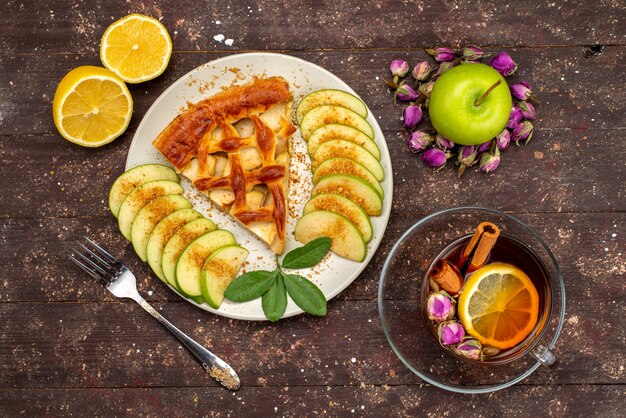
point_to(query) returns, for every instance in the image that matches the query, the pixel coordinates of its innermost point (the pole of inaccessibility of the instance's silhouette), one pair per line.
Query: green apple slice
(162, 233)
(347, 242)
(135, 177)
(345, 149)
(149, 216)
(354, 189)
(344, 207)
(139, 197)
(219, 270)
(191, 260)
(330, 97)
(347, 133)
(178, 242)
(326, 114)
(348, 167)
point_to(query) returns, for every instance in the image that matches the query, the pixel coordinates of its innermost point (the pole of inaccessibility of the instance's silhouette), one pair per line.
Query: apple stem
(485, 94)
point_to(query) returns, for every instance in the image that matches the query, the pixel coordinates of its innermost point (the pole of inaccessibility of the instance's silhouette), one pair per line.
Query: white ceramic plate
(334, 273)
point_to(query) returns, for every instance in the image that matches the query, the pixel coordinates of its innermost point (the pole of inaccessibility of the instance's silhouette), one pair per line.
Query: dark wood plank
(318, 25)
(307, 401)
(577, 92)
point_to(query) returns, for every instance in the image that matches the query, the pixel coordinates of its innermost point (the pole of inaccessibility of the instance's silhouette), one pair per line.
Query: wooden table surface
(69, 348)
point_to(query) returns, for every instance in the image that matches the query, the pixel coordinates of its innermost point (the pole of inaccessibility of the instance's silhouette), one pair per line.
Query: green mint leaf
(305, 294)
(250, 285)
(274, 301)
(307, 255)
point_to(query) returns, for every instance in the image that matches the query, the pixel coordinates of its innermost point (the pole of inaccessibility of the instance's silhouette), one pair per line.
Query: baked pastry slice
(235, 148)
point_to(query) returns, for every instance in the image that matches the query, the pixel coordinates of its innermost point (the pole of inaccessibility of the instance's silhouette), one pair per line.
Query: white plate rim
(387, 183)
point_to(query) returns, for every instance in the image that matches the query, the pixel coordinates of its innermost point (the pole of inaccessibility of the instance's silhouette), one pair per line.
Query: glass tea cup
(401, 299)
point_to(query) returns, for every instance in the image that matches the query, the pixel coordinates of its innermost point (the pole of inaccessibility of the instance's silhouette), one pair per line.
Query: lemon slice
(92, 106)
(499, 305)
(137, 48)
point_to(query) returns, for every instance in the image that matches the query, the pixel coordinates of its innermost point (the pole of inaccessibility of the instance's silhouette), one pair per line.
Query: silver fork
(120, 281)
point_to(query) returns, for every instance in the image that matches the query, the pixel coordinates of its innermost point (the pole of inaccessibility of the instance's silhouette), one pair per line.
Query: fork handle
(217, 368)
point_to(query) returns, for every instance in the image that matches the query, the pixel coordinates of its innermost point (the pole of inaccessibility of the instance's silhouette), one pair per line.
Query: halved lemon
(92, 106)
(137, 48)
(499, 305)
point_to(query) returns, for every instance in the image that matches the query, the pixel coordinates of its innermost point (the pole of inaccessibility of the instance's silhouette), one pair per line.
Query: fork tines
(95, 261)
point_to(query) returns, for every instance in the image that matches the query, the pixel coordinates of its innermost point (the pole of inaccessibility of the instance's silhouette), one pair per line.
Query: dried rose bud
(527, 109)
(440, 306)
(470, 348)
(489, 162)
(406, 93)
(434, 157)
(466, 157)
(442, 54)
(472, 53)
(521, 91)
(522, 131)
(399, 68)
(503, 63)
(418, 141)
(503, 139)
(483, 147)
(411, 116)
(426, 88)
(450, 332)
(443, 143)
(443, 67)
(514, 118)
(422, 70)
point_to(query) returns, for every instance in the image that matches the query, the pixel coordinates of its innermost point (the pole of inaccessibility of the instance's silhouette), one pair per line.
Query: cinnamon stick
(479, 247)
(446, 277)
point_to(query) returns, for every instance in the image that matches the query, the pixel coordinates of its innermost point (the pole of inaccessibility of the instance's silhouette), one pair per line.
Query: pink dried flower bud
(399, 68)
(503, 63)
(443, 143)
(443, 67)
(418, 141)
(470, 348)
(434, 157)
(422, 70)
(411, 116)
(522, 131)
(450, 332)
(521, 91)
(489, 162)
(465, 158)
(527, 109)
(503, 139)
(440, 306)
(473, 53)
(426, 88)
(483, 147)
(442, 54)
(514, 118)
(406, 93)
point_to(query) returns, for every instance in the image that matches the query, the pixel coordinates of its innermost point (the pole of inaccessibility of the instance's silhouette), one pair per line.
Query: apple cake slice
(235, 148)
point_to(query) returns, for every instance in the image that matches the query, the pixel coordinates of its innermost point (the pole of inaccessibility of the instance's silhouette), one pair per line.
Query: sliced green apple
(346, 240)
(162, 233)
(344, 207)
(347, 133)
(178, 242)
(345, 149)
(138, 198)
(191, 260)
(135, 177)
(348, 167)
(326, 114)
(354, 189)
(330, 97)
(219, 270)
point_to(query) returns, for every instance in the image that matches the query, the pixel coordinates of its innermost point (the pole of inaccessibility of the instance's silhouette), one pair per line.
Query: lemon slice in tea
(499, 305)
(92, 106)
(137, 48)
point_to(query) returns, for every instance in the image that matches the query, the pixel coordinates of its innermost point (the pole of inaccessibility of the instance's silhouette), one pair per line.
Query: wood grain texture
(69, 348)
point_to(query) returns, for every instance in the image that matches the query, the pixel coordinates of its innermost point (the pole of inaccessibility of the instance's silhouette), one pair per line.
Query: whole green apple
(467, 106)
